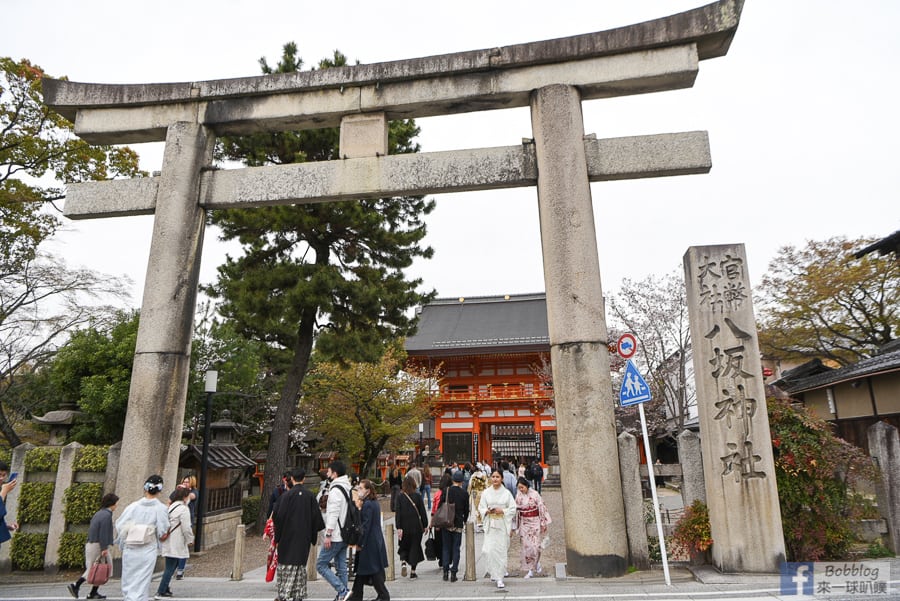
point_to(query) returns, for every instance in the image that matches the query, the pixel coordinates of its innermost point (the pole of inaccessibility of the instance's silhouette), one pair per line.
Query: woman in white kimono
(139, 528)
(498, 509)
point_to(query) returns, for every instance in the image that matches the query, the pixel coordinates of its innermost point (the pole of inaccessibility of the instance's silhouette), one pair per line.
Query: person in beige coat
(180, 537)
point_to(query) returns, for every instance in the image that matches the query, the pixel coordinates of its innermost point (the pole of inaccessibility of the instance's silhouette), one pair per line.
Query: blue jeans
(450, 550)
(426, 491)
(337, 552)
(171, 564)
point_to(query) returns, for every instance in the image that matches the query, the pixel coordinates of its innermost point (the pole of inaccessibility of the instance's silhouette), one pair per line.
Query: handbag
(430, 551)
(140, 534)
(445, 516)
(100, 571)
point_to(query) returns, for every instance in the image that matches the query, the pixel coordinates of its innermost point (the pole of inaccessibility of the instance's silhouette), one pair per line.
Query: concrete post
(64, 477)
(390, 574)
(112, 469)
(153, 424)
(470, 575)
(739, 467)
(12, 500)
(884, 447)
(690, 457)
(311, 573)
(596, 544)
(629, 465)
(237, 570)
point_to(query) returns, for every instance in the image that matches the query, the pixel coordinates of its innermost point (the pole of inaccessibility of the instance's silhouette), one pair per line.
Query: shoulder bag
(100, 571)
(445, 516)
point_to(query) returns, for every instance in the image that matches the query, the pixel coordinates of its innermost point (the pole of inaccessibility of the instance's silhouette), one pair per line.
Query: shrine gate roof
(483, 324)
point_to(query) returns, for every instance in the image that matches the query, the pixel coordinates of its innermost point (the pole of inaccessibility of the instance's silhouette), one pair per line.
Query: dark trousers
(450, 550)
(171, 565)
(377, 582)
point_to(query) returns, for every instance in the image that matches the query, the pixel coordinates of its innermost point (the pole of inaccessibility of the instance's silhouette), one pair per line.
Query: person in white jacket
(180, 537)
(334, 547)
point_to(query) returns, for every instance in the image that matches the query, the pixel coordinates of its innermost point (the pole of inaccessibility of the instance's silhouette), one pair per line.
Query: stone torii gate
(552, 77)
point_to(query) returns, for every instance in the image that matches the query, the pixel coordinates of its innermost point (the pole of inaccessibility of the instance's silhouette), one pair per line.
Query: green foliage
(250, 508)
(27, 551)
(94, 367)
(815, 471)
(820, 301)
(42, 459)
(692, 532)
(36, 141)
(6, 456)
(35, 502)
(362, 408)
(654, 551)
(82, 500)
(71, 550)
(877, 550)
(92, 458)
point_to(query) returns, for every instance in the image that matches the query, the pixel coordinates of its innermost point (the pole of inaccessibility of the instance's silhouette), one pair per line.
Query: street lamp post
(212, 378)
(421, 430)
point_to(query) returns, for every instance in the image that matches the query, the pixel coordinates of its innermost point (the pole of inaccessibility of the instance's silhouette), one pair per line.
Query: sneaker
(164, 595)
(500, 584)
(413, 575)
(453, 577)
(96, 596)
(179, 575)
(529, 574)
(73, 590)
(539, 568)
(403, 568)
(344, 595)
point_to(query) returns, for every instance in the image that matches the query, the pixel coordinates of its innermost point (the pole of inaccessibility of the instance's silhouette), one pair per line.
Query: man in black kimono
(297, 521)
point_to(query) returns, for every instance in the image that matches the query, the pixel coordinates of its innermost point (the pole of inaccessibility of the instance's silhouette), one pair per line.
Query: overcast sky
(801, 113)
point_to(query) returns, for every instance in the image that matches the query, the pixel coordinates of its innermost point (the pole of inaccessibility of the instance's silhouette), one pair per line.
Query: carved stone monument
(738, 465)
(552, 77)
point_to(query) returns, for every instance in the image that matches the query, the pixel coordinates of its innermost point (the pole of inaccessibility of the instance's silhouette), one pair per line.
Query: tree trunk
(7, 430)
(279, 439)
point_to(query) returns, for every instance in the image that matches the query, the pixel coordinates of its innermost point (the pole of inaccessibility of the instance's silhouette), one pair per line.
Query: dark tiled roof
(220, 456)
(883, 363)
(885, 246)
(487, 324)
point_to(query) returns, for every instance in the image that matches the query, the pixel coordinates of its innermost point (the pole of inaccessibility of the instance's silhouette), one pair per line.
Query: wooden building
(491, 402)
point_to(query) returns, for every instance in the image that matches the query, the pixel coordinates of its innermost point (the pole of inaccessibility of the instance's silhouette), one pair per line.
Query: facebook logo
(797, 578)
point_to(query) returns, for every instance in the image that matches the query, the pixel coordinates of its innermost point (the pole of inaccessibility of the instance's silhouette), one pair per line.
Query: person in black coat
(411, 523)
(371, 554)
(457, 495)
(297, 522)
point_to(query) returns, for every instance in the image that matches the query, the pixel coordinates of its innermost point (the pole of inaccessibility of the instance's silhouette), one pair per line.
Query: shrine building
(491, 403)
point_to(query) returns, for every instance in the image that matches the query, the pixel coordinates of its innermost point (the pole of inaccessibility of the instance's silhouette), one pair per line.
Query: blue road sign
(634, 388)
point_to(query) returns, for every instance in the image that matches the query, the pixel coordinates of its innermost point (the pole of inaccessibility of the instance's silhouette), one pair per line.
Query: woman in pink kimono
(532, 520)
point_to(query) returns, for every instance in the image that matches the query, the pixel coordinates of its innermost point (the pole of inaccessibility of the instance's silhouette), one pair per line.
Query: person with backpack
(371, 557)
(453, 535)
(336, 515)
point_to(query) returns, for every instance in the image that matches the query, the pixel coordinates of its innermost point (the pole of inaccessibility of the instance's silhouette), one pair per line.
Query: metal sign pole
(659, 526)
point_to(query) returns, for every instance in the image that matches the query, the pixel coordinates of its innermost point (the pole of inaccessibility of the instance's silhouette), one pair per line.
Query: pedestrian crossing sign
(634, 388)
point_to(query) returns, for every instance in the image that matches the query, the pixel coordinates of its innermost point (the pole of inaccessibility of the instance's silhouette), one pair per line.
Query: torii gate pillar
(162, 358)
(595, 545)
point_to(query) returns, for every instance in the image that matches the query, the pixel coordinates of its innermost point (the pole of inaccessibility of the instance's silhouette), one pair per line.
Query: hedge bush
(27, 551)
(35, 502)
(82, 500)
(71, 550)
(250, 509)
(42, 459)
(92, 458)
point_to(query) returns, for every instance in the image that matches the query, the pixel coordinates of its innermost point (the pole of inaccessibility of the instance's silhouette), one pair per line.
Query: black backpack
(351, 529)
(529, 473)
